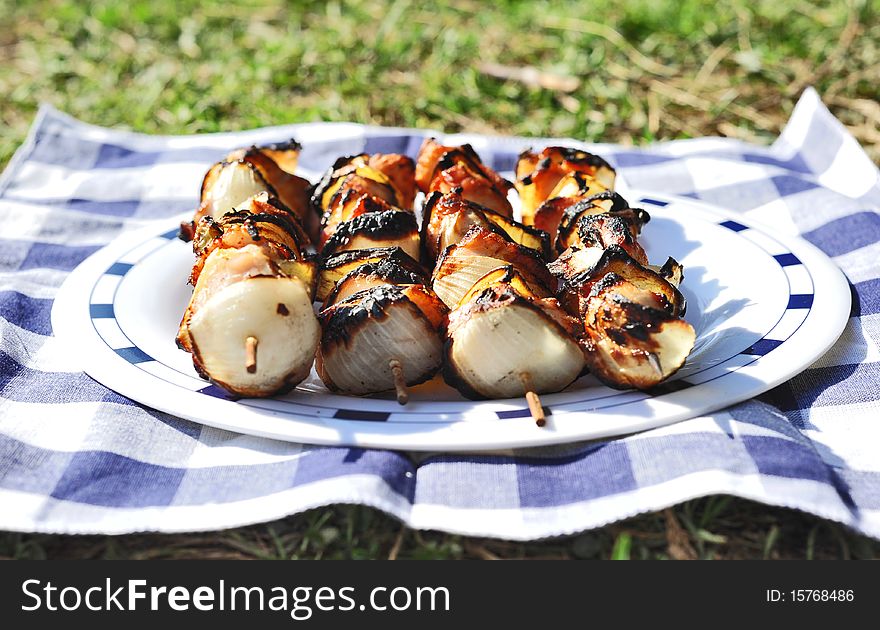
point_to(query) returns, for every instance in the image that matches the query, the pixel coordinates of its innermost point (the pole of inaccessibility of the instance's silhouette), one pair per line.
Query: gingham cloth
(76, 457)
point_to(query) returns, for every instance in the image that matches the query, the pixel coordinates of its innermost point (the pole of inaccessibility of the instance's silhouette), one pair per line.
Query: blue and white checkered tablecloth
(76, 457)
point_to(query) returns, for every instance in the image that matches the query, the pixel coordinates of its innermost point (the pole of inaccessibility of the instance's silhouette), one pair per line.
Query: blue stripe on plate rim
(800, 303)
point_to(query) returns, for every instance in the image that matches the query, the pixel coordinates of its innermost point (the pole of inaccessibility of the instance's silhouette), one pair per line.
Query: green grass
(710, 528)
(630, 72)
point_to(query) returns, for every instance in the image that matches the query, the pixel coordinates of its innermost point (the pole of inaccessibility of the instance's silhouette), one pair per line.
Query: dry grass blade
(678, 543)
(531, 76)
(710, 64)
(398, 543)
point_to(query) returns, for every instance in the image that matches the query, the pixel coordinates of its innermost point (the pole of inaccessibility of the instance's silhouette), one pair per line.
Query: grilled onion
(364, 333)
(370, 274)
(247, 172)
(480, 252)
(578, 270)
(241, 293)
(501, 344)
(390, 228)
(334, 267)
(249, 324)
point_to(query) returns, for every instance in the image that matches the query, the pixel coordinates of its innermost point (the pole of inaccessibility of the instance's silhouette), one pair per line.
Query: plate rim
(70, 306)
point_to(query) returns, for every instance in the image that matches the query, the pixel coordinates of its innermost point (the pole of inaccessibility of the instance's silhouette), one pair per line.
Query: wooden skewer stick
(250, 354)
(399, 382)
(535, 407)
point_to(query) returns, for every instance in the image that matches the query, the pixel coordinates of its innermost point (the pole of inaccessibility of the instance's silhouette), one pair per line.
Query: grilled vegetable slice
(362, 334)
(334, 267)
(248, 171)
(482, 251)
(371, 274)
(446, 218)
(539, 175)
(605, 230)
(241, 293)
(499, 340)
(227, 184)
(630, 342)
(578, 270)
(390, 228)
(672, 271)
(507, 275)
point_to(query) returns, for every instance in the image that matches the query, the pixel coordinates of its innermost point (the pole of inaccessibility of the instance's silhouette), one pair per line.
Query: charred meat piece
(442, 168)
(390, 228)
(538, 175)
(482, 251)
(336, 266)
(501, 343)
(434, 157)
(365, 332)
(630, 342)
(388, 177)
(446, 218)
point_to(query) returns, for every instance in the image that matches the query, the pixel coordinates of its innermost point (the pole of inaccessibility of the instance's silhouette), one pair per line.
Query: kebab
(506, 334)
(249, 325)
(631, 312)
(381, 323)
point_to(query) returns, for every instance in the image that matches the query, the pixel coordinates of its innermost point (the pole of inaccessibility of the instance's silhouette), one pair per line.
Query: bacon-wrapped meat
(554, 173)
(441, 168)
(388, 177)
(446, 218)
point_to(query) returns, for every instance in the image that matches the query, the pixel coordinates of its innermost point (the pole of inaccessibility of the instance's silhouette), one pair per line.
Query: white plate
(764, 308)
